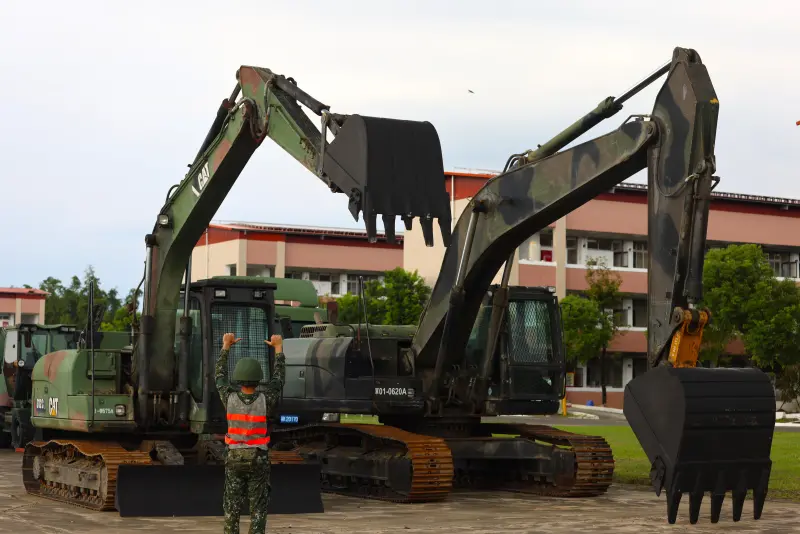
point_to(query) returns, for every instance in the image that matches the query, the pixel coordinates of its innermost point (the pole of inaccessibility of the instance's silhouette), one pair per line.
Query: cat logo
(53, 407)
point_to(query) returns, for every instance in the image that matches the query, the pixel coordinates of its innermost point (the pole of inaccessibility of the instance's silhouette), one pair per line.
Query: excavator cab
(169, 487)
(528, 368)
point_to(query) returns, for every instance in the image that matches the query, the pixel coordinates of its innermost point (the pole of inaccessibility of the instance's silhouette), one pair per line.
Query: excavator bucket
(197, 490)
(704, 430)
(391, 168)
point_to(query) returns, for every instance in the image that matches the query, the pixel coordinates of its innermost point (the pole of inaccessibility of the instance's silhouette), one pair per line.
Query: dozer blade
(704, 430)
(391, 168)
(197, 490)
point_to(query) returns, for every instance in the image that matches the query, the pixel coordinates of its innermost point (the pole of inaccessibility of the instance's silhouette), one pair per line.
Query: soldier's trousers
(246, 478)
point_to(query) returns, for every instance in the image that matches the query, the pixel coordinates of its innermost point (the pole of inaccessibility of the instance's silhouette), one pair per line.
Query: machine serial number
(392, 392)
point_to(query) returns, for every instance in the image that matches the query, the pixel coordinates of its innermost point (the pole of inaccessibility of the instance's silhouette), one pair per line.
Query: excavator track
(50, 470)
(284, 457)
(594, 461)
(381, 462)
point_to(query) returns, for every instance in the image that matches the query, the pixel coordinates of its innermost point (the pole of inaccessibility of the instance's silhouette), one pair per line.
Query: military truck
(21, 347)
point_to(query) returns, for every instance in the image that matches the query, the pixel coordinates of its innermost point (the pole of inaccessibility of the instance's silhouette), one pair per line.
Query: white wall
(428, 260)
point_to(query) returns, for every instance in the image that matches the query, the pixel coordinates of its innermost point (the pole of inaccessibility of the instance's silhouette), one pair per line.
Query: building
(21, 305)
(333, 259)
(612, 226)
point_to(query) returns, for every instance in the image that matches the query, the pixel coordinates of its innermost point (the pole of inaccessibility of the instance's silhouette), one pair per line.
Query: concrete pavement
(622, 510)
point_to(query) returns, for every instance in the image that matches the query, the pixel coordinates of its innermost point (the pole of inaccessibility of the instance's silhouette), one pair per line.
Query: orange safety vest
(247, 423)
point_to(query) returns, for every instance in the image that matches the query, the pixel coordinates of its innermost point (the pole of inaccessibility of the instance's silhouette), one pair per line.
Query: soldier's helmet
(248, 371)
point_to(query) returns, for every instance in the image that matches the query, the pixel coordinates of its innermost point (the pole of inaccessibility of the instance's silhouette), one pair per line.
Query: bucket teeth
(372, 227)
(673, 503)
(427, 230)
(758, 503)
(760, 493)
(388, 226)
(444, 226)
(738, 504)
(695, 501)
(716, 506)
(718, 489)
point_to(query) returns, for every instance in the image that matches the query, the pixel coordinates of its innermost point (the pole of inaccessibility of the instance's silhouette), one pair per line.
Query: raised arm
(221, 370)
(275, 384)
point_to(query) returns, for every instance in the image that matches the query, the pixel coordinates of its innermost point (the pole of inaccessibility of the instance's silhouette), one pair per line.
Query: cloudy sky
(103, 104)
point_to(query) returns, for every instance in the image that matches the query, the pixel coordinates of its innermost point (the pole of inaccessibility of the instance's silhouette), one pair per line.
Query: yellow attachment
(685, 347)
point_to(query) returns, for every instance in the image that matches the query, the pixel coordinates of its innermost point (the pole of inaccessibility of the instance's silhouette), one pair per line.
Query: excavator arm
(675, 143)
(385, 166)
(702, 429)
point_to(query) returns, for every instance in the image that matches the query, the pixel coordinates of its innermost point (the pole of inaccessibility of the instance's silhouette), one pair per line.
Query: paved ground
(622, 510)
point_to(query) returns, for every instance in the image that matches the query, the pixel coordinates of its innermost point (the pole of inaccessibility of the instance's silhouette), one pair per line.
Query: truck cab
(21, 347)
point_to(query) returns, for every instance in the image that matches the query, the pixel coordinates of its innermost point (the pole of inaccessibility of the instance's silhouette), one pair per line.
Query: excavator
(480, 349)
(703, 430)
(99, 410)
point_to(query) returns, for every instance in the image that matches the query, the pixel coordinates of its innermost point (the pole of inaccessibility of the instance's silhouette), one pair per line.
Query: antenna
(90, 328)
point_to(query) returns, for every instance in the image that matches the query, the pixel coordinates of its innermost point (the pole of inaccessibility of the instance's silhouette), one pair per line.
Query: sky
(104, 104)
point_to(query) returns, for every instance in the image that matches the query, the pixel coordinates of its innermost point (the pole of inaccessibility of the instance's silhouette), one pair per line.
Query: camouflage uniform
(247, 470)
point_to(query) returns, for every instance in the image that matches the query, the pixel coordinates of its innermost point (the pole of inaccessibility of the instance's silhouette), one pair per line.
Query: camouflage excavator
(703, 430)
(101, 411)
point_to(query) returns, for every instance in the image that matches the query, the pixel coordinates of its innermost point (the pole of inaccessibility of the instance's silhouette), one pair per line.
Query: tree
(584, 334)
(399, 299)
(405, 296)
(788, 383)
(69, 304)
(747, 301)
(351, 308)
(603, 289)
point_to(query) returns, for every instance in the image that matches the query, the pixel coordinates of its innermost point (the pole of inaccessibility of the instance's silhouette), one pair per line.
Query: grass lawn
(631, 465)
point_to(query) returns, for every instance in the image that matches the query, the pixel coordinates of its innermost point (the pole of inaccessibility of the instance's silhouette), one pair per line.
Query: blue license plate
(289, 419)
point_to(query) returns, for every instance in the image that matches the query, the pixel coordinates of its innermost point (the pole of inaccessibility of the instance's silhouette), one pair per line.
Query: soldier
(247, 468)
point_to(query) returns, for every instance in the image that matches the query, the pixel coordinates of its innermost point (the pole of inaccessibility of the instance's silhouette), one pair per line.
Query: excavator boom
(385, 166)
(702, 429)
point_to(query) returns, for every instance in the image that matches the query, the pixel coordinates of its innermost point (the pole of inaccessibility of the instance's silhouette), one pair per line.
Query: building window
(352, 282)
(775, 260)
(789, 269)
(231, 268)
(640, 313)
(598, 244)
(620, 316)
(572, 250)
(578, 378)
(546, 239)
(640, 255)
(781, 264)
(620, 254)
(294, 275)
(258, 270)
(613, 372)
(639, 365)
(328, 282)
